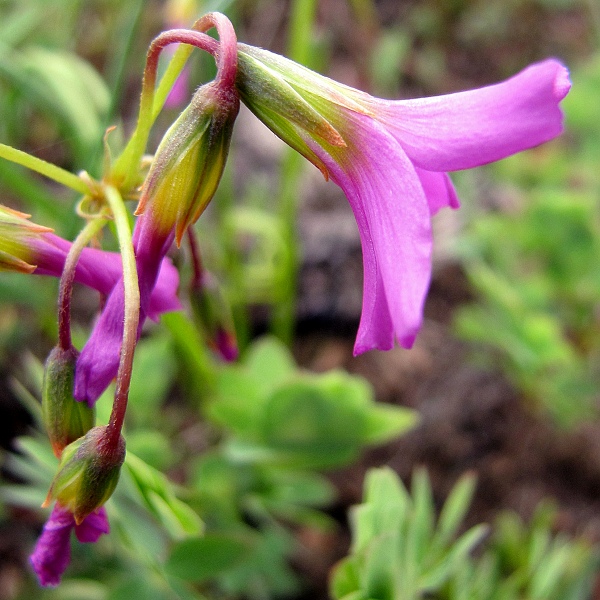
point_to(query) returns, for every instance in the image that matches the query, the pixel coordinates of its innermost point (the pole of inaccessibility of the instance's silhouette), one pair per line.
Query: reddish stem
(197, 266)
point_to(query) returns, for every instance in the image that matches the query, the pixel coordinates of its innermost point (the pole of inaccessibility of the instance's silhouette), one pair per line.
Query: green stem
(172, 72)
(131, 317)
(301, 30)
(125, 171)
(67, 278)
(45, 168)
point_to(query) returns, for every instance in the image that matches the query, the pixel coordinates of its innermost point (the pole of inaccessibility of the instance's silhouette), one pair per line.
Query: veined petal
(93, 526)
(468, 129)
(393, 217)
(439, 190)
(98, 362)
(52, 552)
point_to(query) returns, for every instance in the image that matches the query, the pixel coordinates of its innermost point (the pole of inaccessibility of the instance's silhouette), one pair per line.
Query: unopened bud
(66, 420)
(213, 315)
(16, 235)
(190, 159)
(87, 474)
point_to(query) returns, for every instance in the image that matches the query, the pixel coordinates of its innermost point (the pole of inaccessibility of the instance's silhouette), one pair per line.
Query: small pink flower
(30, 248)
(52, 552)
(391, 158)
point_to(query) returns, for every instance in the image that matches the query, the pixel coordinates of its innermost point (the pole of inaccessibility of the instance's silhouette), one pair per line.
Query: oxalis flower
(182, 179)
(26, 247)
(52, 552)
(391, 157)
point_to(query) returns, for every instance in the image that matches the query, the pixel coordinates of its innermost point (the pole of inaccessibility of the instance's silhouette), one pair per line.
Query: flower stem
(67, 278)
(131, 317)
(44, 168)
(125, 170)
(198, 269)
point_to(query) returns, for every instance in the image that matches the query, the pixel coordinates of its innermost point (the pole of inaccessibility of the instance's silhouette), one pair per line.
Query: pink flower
(30, 248)
(52, 552)
(183, 178)
(391, 158)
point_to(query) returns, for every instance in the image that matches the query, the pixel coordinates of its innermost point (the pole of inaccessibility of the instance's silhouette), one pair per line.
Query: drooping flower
(183, 178)
(52, 552)
(391, 157)
(30, 248)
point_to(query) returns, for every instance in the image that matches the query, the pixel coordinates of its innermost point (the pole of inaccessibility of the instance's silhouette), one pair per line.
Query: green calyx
(66, 420)
(87, 474)
(190, 160)
(16, 231)
(296, 103)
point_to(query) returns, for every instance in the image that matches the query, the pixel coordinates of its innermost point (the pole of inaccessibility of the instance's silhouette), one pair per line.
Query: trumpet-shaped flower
(391, 157)
(52, 552)
(30, 248)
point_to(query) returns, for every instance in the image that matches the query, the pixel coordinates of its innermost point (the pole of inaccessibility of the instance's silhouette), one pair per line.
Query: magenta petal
(393, 218)
(100, 270)
(438, 189)
(98, 362)
(52, 552)
(468, 129)
(164, 295)
(93, 526)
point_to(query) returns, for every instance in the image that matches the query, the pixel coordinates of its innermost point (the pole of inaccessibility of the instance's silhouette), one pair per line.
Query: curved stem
(226, 51)
(67, 278)
(131, 318)
(125, 170)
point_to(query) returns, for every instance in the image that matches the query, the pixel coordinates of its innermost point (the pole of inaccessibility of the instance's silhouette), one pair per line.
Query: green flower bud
(212, 313)
(17, 246)
(190, 159)
(65, 419)
(87, 474)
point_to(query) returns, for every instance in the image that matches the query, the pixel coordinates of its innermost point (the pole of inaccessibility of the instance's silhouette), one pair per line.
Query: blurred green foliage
(400, 550)
(270, 430)
(247, 444)
(534, 266)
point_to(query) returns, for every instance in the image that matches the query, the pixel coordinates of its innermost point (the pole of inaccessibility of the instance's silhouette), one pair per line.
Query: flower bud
(16, 241)
(65, 419)
(190, 159)
(212, 313)
(87, 474)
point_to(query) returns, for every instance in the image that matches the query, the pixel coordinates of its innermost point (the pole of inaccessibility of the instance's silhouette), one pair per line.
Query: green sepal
(65, 419)
(190, 160)
(87, 474)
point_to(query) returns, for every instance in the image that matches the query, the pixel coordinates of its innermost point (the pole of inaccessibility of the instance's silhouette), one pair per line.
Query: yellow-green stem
(131, 317)
(45, 168)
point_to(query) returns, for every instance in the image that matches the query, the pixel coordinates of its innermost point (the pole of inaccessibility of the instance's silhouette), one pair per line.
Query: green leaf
(270, 362)
(152, 446)
(421, 524)
(453, 512)
(152, 376)
(454, 560)
(159, 496)
(345, 579)
(199, 559)
(385, 422)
